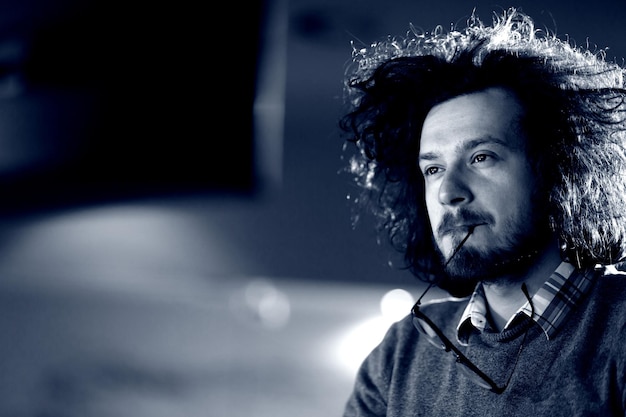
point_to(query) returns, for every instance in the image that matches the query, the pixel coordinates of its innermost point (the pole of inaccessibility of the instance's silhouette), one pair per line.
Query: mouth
(461, 229)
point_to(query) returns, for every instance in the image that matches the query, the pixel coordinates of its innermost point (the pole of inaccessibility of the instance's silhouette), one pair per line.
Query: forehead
(494, 113)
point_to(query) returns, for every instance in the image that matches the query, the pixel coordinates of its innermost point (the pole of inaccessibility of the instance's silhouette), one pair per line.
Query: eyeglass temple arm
(460, 357)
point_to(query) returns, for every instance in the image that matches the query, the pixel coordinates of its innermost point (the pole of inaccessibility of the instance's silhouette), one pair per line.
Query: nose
(454, 189)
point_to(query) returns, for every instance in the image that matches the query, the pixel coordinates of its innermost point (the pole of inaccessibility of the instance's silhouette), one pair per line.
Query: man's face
(478, 178)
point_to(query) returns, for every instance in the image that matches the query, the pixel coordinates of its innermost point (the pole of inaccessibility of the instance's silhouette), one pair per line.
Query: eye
(484, 159)
(480, 158)
(431, 170)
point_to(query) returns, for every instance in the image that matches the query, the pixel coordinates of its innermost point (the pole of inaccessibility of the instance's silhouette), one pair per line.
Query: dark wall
(123, 99)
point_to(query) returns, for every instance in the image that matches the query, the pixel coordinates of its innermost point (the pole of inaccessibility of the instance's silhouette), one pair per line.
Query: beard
(514, 255)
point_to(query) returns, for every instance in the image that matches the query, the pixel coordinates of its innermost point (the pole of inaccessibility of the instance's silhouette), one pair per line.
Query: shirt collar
(552, 303)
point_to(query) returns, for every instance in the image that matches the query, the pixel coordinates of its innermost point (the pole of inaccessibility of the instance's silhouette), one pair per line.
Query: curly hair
(575, 107)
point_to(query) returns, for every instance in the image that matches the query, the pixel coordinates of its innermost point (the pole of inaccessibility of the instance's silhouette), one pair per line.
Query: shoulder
(401, 337)
(607, 301)
(611, 285)
(443, 309)
(610, 304)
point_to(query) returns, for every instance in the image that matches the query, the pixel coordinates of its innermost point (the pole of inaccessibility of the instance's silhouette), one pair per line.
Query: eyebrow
(469, 144)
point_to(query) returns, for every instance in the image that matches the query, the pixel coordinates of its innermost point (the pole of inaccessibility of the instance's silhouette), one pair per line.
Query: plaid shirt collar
(552, 302)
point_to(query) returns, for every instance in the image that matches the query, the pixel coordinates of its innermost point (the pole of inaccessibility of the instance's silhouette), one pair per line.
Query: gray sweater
(580, 371)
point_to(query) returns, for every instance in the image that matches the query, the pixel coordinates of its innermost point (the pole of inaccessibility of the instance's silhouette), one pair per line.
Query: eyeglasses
(436, 337)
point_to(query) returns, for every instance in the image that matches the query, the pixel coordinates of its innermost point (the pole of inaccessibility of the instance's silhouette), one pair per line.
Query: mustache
(462, 219)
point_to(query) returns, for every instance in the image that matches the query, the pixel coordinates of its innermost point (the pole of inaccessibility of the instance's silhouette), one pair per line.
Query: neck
(505, 296)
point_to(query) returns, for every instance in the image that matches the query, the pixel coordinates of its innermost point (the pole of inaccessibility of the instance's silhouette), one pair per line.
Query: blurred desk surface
(230, 347)
(112, 312)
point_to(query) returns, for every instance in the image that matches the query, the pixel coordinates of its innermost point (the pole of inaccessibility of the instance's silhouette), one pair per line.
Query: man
(495, 158)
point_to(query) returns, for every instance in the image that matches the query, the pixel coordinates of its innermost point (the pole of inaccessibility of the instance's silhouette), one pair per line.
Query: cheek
(515, 205)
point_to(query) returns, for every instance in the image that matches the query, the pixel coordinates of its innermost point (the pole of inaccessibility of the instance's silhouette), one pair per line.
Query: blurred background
(175, 227)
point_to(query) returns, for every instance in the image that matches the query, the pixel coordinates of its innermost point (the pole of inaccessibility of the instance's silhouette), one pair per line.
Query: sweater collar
(553, 302)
